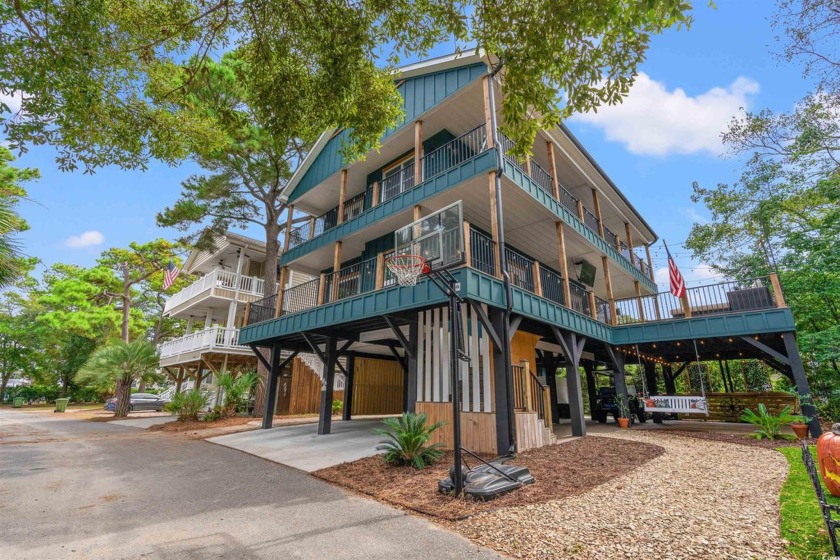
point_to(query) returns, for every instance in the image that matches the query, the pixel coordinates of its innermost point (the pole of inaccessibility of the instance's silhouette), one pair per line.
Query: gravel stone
(700, 499)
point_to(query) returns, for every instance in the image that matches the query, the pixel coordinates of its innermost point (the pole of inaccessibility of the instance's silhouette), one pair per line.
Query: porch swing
(676, 404)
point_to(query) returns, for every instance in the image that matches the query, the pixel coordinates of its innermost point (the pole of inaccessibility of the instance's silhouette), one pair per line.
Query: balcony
(434, 163)
(191, 346)
(218, 283)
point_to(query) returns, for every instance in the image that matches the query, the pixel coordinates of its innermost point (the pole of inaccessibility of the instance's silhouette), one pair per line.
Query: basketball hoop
(407, 268)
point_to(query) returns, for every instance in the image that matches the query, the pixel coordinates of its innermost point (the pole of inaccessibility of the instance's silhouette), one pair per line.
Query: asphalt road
(80, 489)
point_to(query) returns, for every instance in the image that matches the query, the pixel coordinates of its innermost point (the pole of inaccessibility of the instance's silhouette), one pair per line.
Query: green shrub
(337, 405)
(188, 404)
(407, 441)
(768, 425)
(236, 390)
(215, 414)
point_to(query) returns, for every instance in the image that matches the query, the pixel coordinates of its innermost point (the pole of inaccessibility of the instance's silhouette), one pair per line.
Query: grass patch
(802, 523)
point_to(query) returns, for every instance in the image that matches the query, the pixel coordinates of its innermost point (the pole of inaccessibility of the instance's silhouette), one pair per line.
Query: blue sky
(653, 146)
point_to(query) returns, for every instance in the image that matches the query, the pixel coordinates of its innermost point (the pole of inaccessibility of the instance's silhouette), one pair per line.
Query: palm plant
(769, 426)
(10, 223)
(188, 404)
(236, 389)
(121, 363)
(407, 441)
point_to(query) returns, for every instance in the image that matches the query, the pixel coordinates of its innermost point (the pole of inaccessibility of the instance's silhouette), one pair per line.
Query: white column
(189, 324)
(231, 319)
(208, 318)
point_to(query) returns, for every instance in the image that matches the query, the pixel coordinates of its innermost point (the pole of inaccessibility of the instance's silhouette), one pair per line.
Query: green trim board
(524, 181)
(712, 326)
(482, 163)
(419, 95)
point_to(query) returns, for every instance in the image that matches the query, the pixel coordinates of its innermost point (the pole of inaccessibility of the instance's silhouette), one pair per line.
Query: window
(397, 178)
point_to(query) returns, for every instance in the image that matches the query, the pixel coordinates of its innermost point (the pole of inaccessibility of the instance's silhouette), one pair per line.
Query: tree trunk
(3, 382)
(272, 252)
(126, 297)
(123, 397)
(65, 383)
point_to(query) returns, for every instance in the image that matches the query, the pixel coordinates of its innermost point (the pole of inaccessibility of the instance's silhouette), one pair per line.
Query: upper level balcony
(220, 284)
(405, 177)
(190, 347)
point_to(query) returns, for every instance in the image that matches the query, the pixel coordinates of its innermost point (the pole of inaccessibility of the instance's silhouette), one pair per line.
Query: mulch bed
(560, 470)
(190, 425)
(728, 437)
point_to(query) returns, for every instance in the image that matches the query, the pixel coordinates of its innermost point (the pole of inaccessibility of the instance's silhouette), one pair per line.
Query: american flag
(170, 275)
(677, 282)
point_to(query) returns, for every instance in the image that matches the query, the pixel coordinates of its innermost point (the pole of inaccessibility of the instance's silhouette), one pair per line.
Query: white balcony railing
(248, 285)
(213, 338)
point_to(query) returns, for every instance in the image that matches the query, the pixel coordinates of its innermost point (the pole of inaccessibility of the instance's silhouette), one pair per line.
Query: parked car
(139, 401)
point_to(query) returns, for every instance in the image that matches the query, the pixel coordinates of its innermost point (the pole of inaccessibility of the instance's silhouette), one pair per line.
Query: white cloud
(90, 238)
(655, 121)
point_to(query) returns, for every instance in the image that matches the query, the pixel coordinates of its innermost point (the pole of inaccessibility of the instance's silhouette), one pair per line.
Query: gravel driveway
(700, 499)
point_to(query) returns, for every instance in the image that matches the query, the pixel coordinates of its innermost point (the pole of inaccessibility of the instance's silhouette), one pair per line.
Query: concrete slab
(143, 423)
(302, 448)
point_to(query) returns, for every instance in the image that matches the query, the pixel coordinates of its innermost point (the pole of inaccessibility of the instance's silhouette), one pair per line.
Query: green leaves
(407, 439)
(121, 362)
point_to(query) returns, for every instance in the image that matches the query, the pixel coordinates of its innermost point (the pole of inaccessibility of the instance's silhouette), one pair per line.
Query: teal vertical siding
(419, 94)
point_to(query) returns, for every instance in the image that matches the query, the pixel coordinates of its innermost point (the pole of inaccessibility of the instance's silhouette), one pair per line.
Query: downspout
(503, 263)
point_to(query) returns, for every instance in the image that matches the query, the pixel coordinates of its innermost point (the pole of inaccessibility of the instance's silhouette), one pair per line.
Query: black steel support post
(455, 346)
(591, 390)
(503, 404)
(410, 389)
(801, 380)
(668, 377)
(652, 381)
(572, 345)
(617, 359)
(347, 412)
(331, 355)
(271, 388)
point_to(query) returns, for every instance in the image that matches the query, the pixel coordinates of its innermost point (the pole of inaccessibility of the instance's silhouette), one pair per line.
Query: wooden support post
(608, 283)
(374, 194)
(271, 388)
(617, 359)
(418, 212)
(418, 152)
(639, 300)
(649, 262)
(685, 305)
(538, 288)
(342, 196)
(322, 289)
(580, 210)
(801, 381)
(564, 264)
(618, 244)
(572, 345)
(777, 290)
(247, 314)
(494, 226)
(336, 268)
(467, 244)
(290, 210)
(596, 203)
(380, 271)
(502, 403)
(488, 114)
(629, 243)
(591, 389)
(552, 169)
(311, 227)
(593, 307)
(281, 290)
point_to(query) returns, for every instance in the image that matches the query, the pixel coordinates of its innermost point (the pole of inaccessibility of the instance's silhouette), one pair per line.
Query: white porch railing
(249, 285)
(213, 338)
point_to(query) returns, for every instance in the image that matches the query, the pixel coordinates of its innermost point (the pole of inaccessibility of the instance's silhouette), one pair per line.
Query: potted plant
(623, 412)
(800, 423)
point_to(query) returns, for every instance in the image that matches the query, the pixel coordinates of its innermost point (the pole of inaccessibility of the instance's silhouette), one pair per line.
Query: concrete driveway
(80, 489)
(302, 448)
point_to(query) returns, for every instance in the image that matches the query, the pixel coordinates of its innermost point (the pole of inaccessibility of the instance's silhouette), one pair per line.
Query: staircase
(314, 364)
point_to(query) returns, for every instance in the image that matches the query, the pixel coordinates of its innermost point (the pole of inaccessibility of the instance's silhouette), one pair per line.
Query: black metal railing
(713, 299)
(507, 145)
(262, 310)
(602, 310)
(537, 389)
(455, 152)
(398, 183)
(610, 238)
(301, 297)
(580, 299)
(591, 221)
(350, 281)
(541, 177)
(482, 252)
(552, 285)
(354, 206)
(624, 250)
(521, 269)
(313, 228)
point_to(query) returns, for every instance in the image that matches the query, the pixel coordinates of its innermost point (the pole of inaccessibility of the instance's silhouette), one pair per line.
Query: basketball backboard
(438, 238)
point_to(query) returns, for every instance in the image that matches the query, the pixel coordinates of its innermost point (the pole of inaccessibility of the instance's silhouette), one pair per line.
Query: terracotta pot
(801, 430)
(828, 458)
(624, 423)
